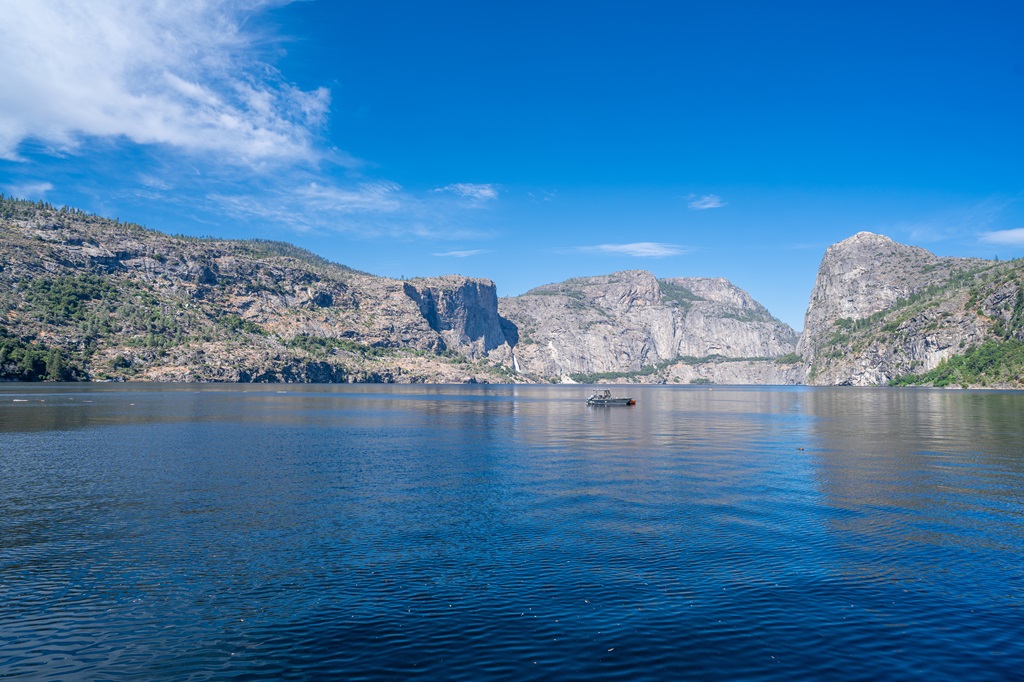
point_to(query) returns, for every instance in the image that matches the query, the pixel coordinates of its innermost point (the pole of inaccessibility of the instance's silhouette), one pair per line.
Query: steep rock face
(629, 322)
(881, 310)
(116, 300)
(863, 275)
(463, 311)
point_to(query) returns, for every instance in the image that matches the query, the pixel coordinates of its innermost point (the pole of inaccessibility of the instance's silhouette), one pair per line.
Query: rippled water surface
(466, 533)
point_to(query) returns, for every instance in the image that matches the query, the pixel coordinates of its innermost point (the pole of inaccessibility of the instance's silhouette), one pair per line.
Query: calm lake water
(500, 532)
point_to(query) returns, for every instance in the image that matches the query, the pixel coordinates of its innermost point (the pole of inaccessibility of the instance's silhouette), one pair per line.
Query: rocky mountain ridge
(86, 297)
(631, 325)
(117, 301)
(882, 312)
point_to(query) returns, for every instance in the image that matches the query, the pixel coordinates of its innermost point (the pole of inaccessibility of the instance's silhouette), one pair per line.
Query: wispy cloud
(638, 249)
(705, 202)
(469, 190)
(153, 182)
(962, 222)
(313, 205)
(1014, 237)
(186, 74)
(461, 254)
(365, 210)
(234, 138)
(373, 197)
(29, 190)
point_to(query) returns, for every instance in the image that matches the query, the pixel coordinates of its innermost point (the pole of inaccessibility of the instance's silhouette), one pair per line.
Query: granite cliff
(463, 311)
(84, 297)
(882, 312)
(87, 297)
(632, 326)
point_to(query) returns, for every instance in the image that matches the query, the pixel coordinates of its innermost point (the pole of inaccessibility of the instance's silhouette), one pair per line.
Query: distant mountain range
(88, 298)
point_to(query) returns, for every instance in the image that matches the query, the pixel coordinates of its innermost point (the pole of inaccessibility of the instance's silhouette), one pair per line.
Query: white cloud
(952, 223)
(29, 190)
(469, 190)
(638, 249)
(314, 205)
(1014, 237)
(184, 74)
(461, 254)
(373, 197)
(153, 182)
(378, 209)
(705, 202)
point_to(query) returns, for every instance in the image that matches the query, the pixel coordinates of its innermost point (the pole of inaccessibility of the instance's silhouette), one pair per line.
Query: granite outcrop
(631, 325)
(883, 312)
(87, 298)
(84, 297)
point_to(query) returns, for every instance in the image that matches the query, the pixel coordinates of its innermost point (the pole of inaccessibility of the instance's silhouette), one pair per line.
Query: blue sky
(529, 142)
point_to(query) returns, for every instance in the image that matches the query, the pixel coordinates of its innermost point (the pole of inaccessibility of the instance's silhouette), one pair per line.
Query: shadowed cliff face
(463, 311)
(629, 322)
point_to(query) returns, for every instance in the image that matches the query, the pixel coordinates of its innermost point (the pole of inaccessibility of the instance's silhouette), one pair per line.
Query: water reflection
(375, 532)
(921, 483)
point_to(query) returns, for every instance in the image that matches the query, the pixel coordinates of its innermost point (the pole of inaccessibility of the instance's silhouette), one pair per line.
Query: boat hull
(610, 401)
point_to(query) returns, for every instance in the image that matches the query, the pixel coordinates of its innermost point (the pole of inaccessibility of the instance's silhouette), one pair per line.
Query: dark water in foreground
(510, 532)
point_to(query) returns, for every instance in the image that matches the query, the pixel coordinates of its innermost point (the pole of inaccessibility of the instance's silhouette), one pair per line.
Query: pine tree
(54, 365)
